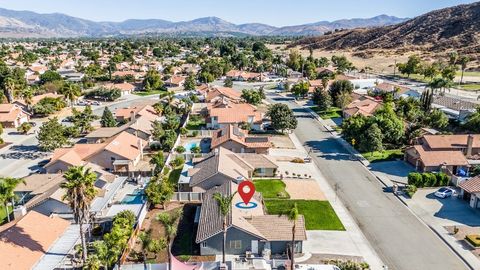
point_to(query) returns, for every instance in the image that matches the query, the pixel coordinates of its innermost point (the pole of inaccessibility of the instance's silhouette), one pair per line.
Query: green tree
(159, 191)
(426, 100)
(436, 119)
(157, 131)
(251, 96)
(300, 89)
(282, 117)
(158, 160)
(463, 61)
(79, 193)
(228, 82)
(71, 91)
(148, 244)
(338, 87)
(169, 222)
(82, 120)
(343, 99)
(391, 125)
(108, 120)
(153, 80)
(172, 121)
(24, 128)
(411, 67)
(190, 83)
(322, 99)
(473, 121)
(224, 203)
(342, 64)
(372, 140)
(293, 215)
(7, 187)
(50, 76)
(294, 60)
(51, 135)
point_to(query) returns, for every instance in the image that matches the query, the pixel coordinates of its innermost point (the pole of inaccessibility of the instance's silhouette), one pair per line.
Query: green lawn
(174, 175)
(469, 87)
(468, 73)
(383, 155)
(150, 93)
(196, 123)
(3, 214)
(332, 113)
(319, 215)
(271, 189)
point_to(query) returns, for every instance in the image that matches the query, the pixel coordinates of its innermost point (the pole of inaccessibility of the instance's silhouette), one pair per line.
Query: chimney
(132, 115)
(469, 145)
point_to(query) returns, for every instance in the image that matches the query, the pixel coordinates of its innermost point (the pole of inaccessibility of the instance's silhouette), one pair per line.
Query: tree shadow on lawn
(329, 149)
(24, 152)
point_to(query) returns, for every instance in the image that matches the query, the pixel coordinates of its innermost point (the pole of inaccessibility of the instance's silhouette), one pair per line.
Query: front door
(255, 246)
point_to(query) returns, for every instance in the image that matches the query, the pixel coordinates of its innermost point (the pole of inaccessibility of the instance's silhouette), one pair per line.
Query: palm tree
(71, 91)
(7, 186)
(80, 192)
(293, 215)
(224, 206)
(10, 87)
(150, 245)
(27, 95)
(169, 221)
(463, 61)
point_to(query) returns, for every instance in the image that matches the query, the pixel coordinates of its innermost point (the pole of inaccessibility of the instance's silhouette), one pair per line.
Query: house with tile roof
(237, 140)
(397, 90)
(248, 230)
(222, 165)
(223, 112)
(12, 115)
(365, 106)
(454, 153)
(217, 92)
(28, 240)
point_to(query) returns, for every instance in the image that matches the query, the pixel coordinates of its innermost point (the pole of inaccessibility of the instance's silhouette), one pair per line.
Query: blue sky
(273, 12)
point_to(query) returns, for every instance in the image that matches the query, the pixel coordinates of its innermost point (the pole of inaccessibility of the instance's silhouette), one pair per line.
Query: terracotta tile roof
(11, 112)
(258, 160)
(451, 141)
(145, 110)
(472, 185)
(365, 107)
(222, 91)
(22, 245)
(121, 86)
(234, 133)
(282, 230)
(76, 155)
(388, 87)
(106, 132)
(234, 113)
(176, 79)
(438, 158)
(126, 145)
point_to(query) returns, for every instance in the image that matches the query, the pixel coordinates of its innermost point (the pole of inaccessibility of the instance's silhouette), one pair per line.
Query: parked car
(444, 192)
(98, 103)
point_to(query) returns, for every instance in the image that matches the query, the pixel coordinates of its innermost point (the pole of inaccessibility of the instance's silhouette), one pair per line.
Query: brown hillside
(455, 28)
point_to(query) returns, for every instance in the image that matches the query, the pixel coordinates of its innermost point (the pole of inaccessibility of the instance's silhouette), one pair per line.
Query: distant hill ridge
(455, 27)
(19, 24)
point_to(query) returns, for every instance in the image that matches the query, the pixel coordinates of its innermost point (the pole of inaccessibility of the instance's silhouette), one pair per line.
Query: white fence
(187, 197)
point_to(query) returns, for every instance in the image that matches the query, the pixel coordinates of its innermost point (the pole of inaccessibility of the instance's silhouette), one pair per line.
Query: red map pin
(246, 189)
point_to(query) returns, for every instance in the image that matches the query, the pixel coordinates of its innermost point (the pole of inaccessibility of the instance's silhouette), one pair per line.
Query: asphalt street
(400, 239)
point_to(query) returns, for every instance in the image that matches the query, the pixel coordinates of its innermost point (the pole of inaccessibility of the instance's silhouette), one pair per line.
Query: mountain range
(455, 28)
(23, 24)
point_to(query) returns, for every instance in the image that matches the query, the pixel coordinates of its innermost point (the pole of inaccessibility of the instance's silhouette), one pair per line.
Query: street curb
(343, 142)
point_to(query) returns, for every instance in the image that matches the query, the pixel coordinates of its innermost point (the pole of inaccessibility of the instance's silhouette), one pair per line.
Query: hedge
(428, 179)
(473, 239)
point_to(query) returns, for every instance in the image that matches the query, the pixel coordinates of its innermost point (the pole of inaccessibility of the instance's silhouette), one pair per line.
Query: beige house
(237, 140)
(223, 112)
(12, 116)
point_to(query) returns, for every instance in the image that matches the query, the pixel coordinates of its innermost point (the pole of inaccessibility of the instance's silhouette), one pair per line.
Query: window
(204, 244)
(236, 244)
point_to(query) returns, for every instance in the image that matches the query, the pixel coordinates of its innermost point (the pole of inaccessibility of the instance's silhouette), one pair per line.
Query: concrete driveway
(443, 212)
(396, 171)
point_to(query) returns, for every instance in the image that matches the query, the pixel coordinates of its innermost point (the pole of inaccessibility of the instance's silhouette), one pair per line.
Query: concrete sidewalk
(357, 243)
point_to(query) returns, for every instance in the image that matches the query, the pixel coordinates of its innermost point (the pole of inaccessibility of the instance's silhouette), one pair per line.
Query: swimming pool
(136, 198)
(190, 145)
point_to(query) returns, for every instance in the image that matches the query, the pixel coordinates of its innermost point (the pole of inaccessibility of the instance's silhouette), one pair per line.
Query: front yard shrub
(177, 162)
(180, 149)
(428, 179)
(298, 160)
(473, 239)
(411, 189)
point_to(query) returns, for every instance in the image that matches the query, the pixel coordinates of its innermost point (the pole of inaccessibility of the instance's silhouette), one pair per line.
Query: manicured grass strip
(385, 155)
(332, 113)
(174, 175)
(150, 93)
(196, 124)
(469, 87)
(319, 215)
(271, 189)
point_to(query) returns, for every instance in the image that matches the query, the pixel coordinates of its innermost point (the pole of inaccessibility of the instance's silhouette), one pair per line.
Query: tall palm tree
(7, 186)
(9, 88)
(80, 192)
(169, 221)
(71, 91)
(224, 206)
(27, 95)
(463, 61)
(293, 215)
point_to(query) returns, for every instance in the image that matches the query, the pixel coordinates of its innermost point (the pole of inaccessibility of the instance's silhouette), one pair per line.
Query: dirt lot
(304, 189)
(282, 141)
